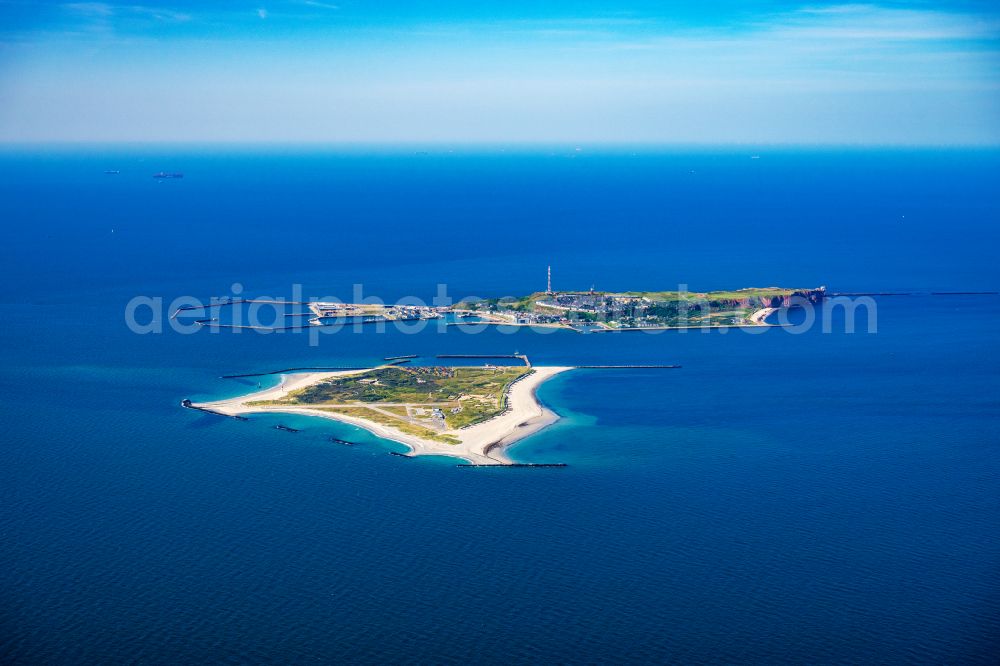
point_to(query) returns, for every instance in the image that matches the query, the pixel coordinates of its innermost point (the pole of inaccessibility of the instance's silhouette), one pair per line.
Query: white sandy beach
(761, 315)
(483, 443)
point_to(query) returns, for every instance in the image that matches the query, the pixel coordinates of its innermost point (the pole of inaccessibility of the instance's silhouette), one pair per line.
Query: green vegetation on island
(423, 401)
(641, 309)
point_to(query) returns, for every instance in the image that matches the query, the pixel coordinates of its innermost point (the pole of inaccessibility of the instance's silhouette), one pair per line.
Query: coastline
(757, 318)
(481, 443)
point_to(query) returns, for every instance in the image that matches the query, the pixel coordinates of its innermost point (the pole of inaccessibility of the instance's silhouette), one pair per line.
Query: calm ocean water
(814, 498)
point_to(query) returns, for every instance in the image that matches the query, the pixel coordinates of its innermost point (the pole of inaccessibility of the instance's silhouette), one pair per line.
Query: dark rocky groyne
(187, 404)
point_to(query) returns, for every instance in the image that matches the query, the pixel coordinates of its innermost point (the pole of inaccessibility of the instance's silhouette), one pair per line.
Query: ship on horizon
(163, 174)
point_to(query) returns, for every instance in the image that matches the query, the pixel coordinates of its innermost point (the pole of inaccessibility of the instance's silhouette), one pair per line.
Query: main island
(472, 413)
(600, 311)
(581, 311)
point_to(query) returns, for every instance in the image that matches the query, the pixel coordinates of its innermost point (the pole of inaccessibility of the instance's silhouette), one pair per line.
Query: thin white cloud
(320, 5)
(846, 72)
(874, 22)
(106, 11)
(810, 28)
(849, 45)
(90, 8)
(160, 14)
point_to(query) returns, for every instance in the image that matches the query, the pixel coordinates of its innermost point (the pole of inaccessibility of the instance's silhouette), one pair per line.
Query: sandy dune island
(482, 443)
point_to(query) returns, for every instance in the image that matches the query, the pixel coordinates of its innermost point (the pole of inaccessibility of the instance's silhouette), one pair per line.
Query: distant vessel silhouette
(164, 174)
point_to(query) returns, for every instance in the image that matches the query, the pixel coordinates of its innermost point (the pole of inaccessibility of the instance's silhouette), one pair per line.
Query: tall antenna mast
(548, 288)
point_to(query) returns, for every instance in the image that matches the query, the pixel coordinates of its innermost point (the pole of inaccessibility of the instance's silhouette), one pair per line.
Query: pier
(874, 293)
(627, 367)
(521, 357)
(187, 404)
(405, 357)
(234, 301)
(512, 465)
(208, 323)
(915, 293)
(287, 370)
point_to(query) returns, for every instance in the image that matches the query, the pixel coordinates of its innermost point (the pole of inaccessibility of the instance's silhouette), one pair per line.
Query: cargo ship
(164, 174)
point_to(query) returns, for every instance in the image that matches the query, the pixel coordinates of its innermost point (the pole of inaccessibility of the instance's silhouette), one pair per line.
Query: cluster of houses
(328, 310)
(594, 302)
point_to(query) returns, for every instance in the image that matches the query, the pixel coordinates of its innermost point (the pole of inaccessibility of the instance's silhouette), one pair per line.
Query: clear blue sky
(440, 71)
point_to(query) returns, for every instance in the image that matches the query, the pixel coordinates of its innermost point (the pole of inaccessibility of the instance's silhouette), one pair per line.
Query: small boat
(163, 175)
(112, 172)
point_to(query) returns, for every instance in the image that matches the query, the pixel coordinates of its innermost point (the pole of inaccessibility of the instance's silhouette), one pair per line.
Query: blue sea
(808, 497)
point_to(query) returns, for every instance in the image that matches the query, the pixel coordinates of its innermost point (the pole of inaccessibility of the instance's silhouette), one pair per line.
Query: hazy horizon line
(580, 145)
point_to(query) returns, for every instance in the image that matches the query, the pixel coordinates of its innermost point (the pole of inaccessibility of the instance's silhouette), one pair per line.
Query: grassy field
(658, 308)
(409, 385)
(734, 295)
(463, 396)
(399, 424)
